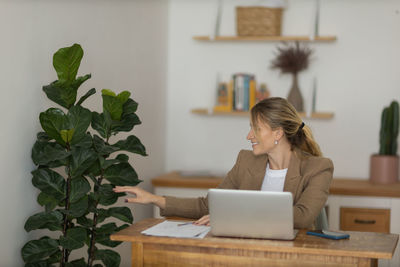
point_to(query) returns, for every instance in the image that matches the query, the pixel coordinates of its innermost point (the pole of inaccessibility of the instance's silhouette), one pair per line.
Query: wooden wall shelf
(266, 38)
(206, 112)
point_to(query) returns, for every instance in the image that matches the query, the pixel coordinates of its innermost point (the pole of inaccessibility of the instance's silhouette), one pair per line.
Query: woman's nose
(250, 135)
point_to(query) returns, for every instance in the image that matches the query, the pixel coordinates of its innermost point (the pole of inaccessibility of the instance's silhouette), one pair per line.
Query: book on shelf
(244, 88)
(224, 97)
(240, 94)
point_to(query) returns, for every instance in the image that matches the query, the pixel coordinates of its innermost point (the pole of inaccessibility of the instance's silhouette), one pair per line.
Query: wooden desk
(362, 249)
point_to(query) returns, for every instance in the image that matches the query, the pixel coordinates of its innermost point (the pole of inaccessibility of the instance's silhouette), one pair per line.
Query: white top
(274, 180)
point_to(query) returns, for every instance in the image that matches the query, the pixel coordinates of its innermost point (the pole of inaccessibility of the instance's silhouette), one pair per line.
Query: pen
(181, 224)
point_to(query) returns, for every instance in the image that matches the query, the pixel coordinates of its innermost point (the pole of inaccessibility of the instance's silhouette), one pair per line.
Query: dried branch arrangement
(292, 58)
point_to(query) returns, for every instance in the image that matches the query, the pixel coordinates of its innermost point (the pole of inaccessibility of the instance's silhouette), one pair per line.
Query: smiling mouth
(254, 143)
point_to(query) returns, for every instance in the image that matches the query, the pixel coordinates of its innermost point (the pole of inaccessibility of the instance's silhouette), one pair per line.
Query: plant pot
(384, 169)
(294, 96)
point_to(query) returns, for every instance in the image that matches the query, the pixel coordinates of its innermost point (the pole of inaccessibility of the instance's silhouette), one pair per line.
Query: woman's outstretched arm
(141, 196)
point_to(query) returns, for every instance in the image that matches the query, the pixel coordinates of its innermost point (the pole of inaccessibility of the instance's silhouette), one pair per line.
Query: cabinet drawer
(365, 220)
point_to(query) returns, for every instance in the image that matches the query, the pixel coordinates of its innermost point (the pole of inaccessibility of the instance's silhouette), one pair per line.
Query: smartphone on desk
(329, 234)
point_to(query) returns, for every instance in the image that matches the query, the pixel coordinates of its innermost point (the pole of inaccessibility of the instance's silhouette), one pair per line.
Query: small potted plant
(384, 167)
(293, 59)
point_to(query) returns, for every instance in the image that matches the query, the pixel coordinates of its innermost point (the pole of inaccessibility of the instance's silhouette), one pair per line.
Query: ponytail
(279, 113)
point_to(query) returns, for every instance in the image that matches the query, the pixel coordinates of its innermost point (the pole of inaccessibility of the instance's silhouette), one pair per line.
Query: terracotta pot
(384, 169)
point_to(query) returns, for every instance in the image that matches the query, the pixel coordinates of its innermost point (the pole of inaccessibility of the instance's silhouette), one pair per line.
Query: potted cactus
(384, 167)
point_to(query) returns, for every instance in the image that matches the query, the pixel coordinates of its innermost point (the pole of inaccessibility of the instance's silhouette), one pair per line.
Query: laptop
(251, 214)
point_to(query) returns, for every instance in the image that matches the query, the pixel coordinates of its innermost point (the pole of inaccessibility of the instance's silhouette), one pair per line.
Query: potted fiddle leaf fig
(77, 168)
(384, 167)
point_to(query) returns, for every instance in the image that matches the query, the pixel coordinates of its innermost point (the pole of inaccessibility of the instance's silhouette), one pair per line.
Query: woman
(285, 157)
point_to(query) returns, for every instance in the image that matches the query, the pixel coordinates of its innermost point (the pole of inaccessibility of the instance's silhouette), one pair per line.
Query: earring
(276, 142)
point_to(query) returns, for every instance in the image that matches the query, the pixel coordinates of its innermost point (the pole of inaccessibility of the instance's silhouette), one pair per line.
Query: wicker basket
(258, 21)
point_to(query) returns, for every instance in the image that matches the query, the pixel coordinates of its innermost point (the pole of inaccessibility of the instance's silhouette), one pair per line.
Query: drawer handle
(364, 221)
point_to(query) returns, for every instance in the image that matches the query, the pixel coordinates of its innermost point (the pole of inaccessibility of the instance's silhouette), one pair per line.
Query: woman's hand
(142, 196)
(205, 220)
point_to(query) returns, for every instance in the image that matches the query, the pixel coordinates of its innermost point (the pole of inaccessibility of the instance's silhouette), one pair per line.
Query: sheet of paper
(177, 229)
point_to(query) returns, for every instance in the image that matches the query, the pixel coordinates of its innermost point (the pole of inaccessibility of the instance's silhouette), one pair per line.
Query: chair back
(321, 222)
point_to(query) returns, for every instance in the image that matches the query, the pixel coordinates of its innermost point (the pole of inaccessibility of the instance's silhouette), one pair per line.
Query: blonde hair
(279, 113)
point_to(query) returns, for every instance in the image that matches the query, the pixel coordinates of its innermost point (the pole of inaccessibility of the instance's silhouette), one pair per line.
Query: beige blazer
(308, 179)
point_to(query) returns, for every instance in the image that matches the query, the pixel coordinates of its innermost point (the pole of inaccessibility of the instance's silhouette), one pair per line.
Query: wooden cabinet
(365, 220)
(369, 213)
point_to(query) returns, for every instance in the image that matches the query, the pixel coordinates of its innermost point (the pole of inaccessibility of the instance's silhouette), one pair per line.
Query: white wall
(357, 75)
(125, 49)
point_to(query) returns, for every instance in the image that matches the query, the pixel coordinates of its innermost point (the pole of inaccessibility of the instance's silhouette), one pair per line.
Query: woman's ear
(279, 133)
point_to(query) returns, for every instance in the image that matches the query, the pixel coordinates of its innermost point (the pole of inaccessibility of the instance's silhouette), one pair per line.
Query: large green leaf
(82, 159)
(107, 228)
(78, 208)
(108, 257)
(102, 214)
(85, 222)
(114, 103)
(101, 147)
(61, 93)
(122, 157)
(74, 239)
(104, 239)
(118, 159)
(64, 128)
(67, 135)
(104, 232)
(123, 96)
(48, 201)
(122, 213)
(64, 92)
(128, 120)
(79, 188)
(79, 119)
(42, 263)
(107, 196)
(42, 137)
(113, 106)
(43, 220)
(131, 144)
(35, 250)
(107, 163)
(53, 121)
(66, 62)
(121, 174)
(129, 107)
(94, 170)
(102, 124)
(76, 263)
(50, 182)
(126, 123)
(79, 81)
(48, 153)
(84, 97)
(55, 258)
(85, 142)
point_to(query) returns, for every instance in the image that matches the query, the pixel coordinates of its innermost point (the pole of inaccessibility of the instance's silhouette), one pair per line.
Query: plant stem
(66, 224)
(93, 234)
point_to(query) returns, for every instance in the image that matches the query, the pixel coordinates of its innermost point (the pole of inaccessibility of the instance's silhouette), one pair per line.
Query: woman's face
(262, 138)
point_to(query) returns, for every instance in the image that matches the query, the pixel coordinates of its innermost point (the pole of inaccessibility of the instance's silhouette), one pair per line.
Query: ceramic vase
(294, 96)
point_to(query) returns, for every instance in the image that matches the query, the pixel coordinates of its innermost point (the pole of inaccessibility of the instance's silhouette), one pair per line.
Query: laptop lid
(252, 214)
